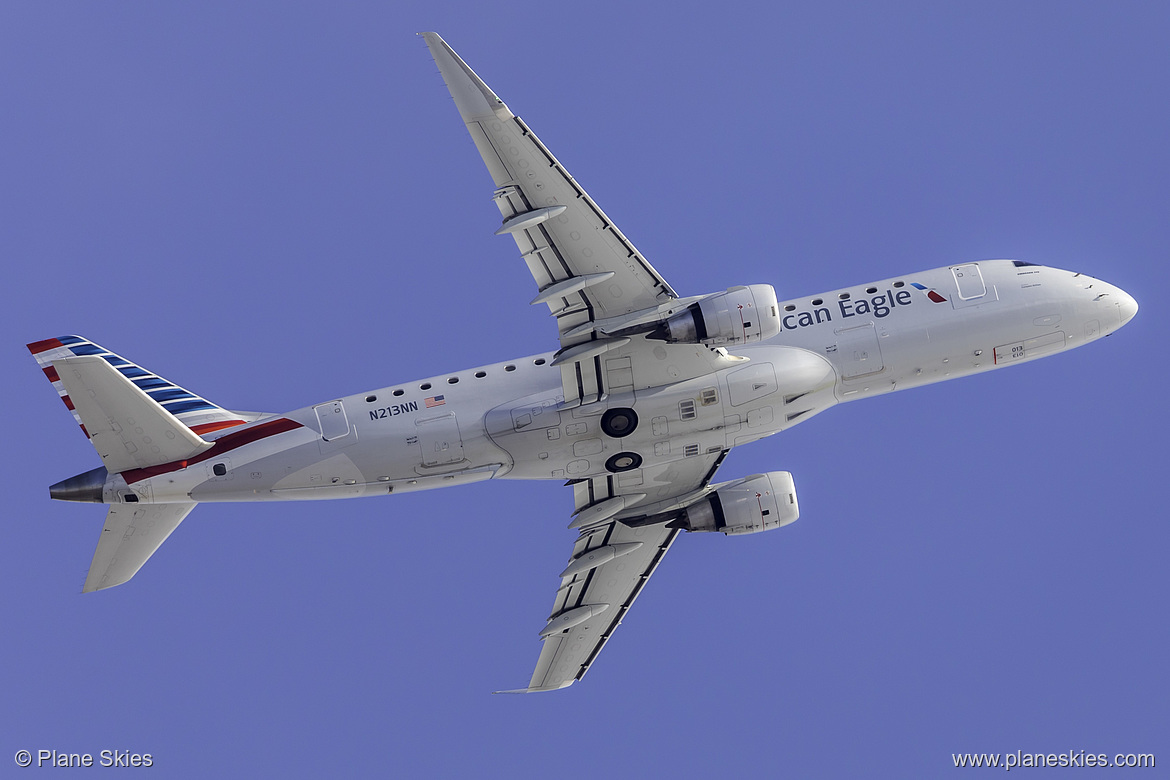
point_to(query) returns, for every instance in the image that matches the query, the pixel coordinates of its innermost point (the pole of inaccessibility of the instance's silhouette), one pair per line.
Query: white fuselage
(508, 420)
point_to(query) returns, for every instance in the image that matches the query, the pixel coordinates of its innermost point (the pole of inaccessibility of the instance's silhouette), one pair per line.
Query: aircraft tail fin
(132, 533)
(133, 418)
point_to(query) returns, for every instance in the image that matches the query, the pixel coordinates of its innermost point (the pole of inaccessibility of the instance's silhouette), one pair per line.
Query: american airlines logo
(930, 293)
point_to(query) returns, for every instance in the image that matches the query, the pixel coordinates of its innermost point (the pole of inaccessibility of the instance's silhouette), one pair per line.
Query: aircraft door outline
(332, 419)
(858, 352)
(439, 440)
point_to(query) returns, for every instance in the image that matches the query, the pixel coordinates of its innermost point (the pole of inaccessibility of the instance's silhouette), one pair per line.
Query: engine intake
(746, 506)
(741, 315)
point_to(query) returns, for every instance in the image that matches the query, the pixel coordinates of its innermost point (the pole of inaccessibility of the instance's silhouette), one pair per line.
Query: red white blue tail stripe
(196, 412)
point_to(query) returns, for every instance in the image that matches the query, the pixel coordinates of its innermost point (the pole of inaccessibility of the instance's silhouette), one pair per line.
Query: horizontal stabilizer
(131, 535)
(128, 428)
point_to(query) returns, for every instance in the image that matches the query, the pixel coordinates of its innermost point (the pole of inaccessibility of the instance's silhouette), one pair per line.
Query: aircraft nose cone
(1127, 306)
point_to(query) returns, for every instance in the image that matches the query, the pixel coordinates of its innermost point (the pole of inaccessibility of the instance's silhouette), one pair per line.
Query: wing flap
(132, 533)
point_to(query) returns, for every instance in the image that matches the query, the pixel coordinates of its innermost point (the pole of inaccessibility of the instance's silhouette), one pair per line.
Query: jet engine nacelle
(746, 506)
(741, 315)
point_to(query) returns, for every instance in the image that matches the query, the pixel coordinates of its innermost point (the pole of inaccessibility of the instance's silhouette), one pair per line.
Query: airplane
(635, 411)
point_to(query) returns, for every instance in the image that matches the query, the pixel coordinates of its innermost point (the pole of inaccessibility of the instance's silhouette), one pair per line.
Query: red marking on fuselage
(936, 297)
(37, 347)
(223, 444)
(215, 426)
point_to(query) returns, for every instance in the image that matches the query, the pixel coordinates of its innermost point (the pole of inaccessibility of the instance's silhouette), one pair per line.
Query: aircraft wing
(589, 274)
(610, 565)
(562, 232)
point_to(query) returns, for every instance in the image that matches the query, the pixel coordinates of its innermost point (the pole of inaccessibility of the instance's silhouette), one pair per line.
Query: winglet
(474, 99)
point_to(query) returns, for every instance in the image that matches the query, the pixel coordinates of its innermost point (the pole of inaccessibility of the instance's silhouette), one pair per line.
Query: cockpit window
(1021, 264)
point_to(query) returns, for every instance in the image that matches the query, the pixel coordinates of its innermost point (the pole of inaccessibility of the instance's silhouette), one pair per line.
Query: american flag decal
(434, 400)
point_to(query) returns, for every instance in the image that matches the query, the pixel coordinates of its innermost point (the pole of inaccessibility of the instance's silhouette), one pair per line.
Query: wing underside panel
(567, 655)
(612, 562)
(580, 239)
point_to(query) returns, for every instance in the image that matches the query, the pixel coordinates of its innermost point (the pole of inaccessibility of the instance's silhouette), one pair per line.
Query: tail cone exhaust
(86, 487)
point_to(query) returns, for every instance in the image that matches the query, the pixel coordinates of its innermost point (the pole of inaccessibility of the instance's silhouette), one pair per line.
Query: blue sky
(274, 204)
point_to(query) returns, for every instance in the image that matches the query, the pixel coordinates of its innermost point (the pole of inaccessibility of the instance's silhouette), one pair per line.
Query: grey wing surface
(593, 279)
(540, 200)
(612, 561)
